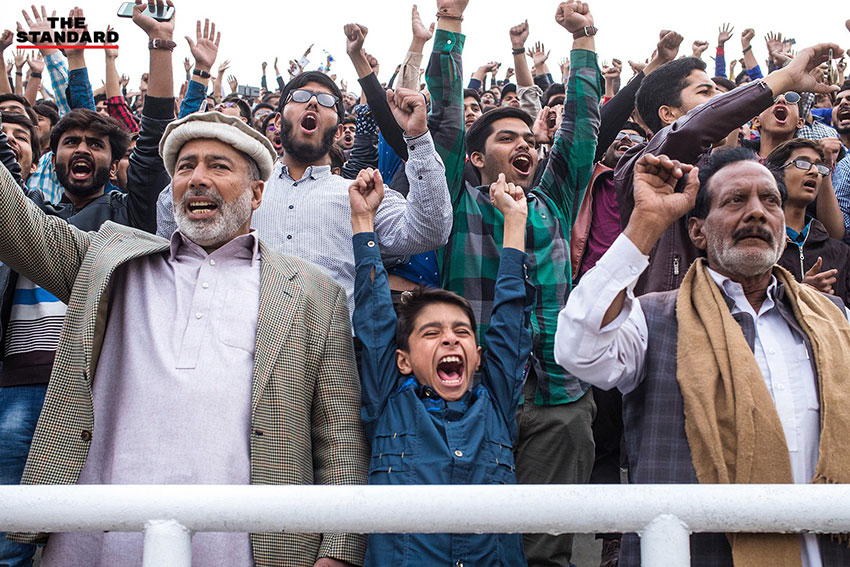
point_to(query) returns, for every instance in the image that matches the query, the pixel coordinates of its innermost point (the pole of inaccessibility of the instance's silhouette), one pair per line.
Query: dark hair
(663, 87)
(717, 161)
(24, 102)
(268, 96)
(782, 153)
(629, 125)
(86, 119)
(845, 86)
(336, 156)
(413, 302)
(48, 111)
(472, 93)
(23, 120)
(265, 124)
(261, 106)
(99, 98)
(725, 83)
(507, 88)
(477, 135)
(555, 89)
(312, 77)
(349, 119)
(244, 107)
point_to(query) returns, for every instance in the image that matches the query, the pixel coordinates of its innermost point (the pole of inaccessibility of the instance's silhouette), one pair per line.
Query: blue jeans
(20, 407)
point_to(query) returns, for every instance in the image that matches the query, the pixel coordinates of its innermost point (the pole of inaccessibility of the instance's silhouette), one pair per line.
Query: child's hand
(508, 198)
(365, 195)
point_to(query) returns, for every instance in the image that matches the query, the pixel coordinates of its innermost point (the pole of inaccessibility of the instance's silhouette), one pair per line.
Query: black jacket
(799, 258)
(146, 177)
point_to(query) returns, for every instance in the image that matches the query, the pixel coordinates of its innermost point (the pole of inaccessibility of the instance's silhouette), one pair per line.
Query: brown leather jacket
(688, 140)
(581, 226)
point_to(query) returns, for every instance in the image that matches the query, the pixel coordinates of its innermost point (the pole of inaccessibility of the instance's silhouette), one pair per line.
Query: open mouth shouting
(810, 184)
(780, 113)
(843, 114)
(450, 370)
(81, 169)
(522, 164)
(200, 207)
(309, 122)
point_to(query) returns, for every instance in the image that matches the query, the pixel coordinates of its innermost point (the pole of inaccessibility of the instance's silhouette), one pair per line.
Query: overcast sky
(255, 31)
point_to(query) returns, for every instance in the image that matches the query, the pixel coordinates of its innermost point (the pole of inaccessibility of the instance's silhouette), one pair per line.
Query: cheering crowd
(444, 279)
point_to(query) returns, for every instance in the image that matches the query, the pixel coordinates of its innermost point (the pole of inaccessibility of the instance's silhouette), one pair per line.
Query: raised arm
(204, 50)
(146, 175)
(601, 336)
(421, 222)
(5, 41)
(45, 249)
(444, 79)
(519, 35)
(35, 62)
(571, 161)
(116, 106)
(409, 77)
(374, 318)
(750, 63)
(364, 153)
(509, 335)
(79, 87)
(373, 92)
(56, 64)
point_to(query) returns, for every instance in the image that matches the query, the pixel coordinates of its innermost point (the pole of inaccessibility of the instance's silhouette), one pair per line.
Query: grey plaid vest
(654, 424)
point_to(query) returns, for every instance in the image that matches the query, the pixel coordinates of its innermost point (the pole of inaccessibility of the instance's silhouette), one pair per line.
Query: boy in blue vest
(430, 418)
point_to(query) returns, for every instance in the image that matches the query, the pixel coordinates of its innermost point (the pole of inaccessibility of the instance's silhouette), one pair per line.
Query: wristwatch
(201, 74)
(586, 31)
(157, 43)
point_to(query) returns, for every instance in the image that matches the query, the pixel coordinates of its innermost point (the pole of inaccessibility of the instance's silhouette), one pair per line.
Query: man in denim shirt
(427, 420)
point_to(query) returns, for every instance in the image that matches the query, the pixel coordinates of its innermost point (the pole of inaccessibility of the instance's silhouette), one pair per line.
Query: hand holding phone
(160, 12)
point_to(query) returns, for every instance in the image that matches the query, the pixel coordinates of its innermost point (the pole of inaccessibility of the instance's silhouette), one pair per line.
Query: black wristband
(35, 75)
(201, 74)
(518, 51)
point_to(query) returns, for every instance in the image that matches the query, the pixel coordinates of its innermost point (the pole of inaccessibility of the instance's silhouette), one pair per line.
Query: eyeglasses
(225, 105)
(636, 138)
(325, 99)
(790, 97)
(806, 165)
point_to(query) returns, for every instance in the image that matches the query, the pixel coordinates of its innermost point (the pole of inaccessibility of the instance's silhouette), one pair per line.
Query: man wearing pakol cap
(206, 359)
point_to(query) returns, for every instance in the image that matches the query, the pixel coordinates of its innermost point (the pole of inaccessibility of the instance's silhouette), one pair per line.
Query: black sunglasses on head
(302, 95)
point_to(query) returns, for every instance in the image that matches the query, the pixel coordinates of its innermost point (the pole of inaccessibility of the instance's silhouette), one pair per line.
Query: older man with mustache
(217, 360)
(741, 361)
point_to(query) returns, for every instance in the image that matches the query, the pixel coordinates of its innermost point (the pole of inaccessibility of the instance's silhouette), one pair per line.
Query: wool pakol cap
(217, 126)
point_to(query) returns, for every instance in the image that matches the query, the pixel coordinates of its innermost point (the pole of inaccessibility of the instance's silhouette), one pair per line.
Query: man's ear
(477, 159)
(33, 167)
(480, 351)
(695, 231)
(402, 359)
(257, 187)
(668, 114)
(800, 123)
(756, 123)
(339, 130)
(113, 169)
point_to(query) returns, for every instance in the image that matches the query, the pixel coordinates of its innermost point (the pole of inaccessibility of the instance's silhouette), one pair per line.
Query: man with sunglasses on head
(306, 210)
(672, 101)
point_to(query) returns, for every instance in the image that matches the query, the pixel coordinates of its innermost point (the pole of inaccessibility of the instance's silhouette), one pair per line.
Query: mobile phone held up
(162, 14)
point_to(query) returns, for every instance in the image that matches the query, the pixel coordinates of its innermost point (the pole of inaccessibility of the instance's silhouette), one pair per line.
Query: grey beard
(219, 229)
(747, 264)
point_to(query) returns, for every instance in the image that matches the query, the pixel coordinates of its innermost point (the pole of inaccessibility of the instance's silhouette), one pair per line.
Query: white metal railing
(663, 515)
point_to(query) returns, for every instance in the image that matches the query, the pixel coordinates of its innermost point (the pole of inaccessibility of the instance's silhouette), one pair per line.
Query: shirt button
(780, 387)
(633, 270)
(458, 453)
(412, 147)
(420, 178)
(85, 435)
(198, 315)
(459, 564)
(291, 206)
(212, 262)
(289, 237)
(371, 244)
(205, 285)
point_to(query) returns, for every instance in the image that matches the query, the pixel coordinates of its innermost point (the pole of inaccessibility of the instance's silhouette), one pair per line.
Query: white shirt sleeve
(610, 356)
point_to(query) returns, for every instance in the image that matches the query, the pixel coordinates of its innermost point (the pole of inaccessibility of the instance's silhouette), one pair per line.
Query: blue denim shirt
(419, 438)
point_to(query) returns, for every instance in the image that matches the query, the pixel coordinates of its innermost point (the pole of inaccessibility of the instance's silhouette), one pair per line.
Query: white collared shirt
(614, 355)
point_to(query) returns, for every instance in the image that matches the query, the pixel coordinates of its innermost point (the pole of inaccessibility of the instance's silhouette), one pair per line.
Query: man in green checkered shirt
(555, 444)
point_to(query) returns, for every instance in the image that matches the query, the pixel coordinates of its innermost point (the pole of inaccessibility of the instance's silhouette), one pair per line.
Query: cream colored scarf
(731, 422)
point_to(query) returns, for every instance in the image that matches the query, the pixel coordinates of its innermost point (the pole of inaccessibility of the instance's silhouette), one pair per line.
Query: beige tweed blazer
(305, 412)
